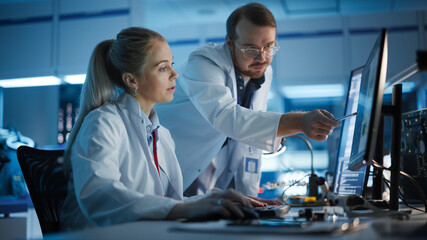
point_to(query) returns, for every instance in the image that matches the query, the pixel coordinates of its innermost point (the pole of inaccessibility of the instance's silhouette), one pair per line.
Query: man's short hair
(256, 13)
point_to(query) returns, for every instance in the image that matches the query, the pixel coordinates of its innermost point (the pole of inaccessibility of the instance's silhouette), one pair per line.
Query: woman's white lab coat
(114, 178)
(205, 112)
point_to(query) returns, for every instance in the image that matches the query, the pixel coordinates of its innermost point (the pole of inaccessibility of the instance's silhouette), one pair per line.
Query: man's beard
(247, 73)
(252, 74)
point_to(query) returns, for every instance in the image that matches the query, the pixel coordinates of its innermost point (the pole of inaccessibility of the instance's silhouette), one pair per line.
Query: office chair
(42, 170)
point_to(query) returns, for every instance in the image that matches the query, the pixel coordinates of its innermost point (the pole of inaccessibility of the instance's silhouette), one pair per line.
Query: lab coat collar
(228, 58)
(143, 126)
(221, 56)
(126, 101)
(131, 104)
(229, 66)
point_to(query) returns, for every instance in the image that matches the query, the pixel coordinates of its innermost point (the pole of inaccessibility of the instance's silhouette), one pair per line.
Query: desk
(13, 205)
(13, 227)
(162, 230)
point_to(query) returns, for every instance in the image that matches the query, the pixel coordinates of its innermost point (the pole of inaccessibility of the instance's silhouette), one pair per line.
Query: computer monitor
(369, 105)
(348, 182)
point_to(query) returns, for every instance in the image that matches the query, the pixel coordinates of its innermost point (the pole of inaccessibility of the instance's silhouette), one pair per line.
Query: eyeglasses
(252, 52)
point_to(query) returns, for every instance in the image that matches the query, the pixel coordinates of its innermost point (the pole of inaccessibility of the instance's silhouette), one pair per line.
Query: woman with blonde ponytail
(120, 162)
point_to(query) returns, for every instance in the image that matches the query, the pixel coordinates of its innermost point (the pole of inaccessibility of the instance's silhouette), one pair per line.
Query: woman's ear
(129, 80)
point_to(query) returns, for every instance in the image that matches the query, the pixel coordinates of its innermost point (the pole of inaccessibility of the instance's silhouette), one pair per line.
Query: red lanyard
(155, 151)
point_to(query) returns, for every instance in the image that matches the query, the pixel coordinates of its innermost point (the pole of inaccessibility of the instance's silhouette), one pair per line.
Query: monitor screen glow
(345, 181)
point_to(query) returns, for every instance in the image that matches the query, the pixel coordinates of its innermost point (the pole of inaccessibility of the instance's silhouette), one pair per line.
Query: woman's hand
(215, 206)
(259, 202)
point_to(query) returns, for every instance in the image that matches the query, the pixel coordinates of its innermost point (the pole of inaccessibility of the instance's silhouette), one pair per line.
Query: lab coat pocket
(248, 175)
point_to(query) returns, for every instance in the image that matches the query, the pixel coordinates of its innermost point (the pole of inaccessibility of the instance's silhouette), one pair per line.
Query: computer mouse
(249, 213)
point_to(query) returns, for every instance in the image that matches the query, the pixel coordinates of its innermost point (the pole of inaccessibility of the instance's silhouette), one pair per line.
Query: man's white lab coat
(205, 112)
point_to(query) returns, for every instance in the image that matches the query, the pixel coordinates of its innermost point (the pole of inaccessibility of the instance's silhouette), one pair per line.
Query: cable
(306, 143)
(283, 147)
(353, 202)
(313, 181)
(402, 196)
(283, 193)
(419, 190)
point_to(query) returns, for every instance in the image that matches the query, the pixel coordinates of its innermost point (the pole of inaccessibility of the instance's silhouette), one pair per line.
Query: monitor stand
(377, 175)
(395, 111)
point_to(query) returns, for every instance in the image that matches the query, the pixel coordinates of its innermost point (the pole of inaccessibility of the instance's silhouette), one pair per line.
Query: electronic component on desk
(413, 151)
(304, 201)
(309, 215)
(272, 211)
(273, 185)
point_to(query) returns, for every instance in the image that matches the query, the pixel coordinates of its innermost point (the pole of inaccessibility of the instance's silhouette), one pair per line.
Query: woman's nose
(175, 75)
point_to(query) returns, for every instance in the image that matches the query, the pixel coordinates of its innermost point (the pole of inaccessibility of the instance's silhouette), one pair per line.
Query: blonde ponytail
(109, 61)
(97, 89)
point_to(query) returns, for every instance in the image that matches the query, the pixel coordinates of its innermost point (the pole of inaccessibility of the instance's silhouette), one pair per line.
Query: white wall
(26, 40)
(82, 25)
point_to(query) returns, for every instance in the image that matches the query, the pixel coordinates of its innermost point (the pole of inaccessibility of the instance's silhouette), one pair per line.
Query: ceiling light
(313, 91)
(75, 79)
(30, 82)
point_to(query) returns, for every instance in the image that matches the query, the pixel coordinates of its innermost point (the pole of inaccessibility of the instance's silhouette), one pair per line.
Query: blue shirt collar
(151, 122)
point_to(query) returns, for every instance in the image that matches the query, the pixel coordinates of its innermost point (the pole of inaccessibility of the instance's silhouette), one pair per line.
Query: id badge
(251, 165)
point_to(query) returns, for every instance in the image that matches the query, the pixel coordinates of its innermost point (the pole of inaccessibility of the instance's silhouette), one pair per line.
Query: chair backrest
(42, 170)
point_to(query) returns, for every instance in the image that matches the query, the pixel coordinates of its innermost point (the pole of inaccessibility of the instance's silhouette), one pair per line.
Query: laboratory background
(45, 47)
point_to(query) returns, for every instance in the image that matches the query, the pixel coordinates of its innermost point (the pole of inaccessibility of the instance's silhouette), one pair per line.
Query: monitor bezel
(365, 159)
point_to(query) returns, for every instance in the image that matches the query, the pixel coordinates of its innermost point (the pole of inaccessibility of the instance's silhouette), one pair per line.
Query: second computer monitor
(345, 181)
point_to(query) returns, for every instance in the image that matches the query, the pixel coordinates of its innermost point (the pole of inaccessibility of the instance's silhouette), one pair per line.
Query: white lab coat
(205, 112)
(114, 178)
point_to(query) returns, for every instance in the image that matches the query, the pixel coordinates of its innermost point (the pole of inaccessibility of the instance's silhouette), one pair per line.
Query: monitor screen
(369, 105)
(345, 181)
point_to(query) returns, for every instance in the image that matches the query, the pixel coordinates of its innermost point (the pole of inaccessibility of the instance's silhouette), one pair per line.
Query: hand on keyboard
(272, 211)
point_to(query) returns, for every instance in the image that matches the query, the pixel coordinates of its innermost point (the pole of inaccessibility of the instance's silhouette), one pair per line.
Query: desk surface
(13, 205)
(371, 228)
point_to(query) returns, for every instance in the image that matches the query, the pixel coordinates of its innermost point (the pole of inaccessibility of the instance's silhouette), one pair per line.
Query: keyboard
(272, 211)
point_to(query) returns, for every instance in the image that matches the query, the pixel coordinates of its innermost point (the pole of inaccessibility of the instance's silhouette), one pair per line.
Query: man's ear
(129, 80)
